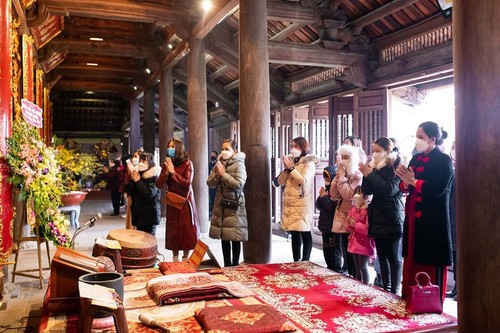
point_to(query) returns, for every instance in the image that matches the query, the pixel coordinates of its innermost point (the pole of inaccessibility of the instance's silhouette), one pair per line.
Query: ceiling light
(148, 70)
(96, 39)
(89, 92)
(92, 64)
(206, 5)
(170, 46)
(323, 102)
(135, 87)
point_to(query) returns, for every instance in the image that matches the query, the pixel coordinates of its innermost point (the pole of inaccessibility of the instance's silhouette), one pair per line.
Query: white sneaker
(123, 216)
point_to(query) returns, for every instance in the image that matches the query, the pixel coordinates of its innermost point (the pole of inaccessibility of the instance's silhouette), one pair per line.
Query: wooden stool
(89, 310)
(26, 272)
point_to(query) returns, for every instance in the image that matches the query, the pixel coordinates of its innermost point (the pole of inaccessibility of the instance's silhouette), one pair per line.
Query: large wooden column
(255, 127)
(135, 126)
(198, 127)
(166, 115)
(6, 211)
(476, 65)
(148, 120)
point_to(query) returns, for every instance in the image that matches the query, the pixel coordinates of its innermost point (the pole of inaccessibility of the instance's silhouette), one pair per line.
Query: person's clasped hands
(406, 174)
(219, 168)
(168, 166)
(287, 162)
(365, 169)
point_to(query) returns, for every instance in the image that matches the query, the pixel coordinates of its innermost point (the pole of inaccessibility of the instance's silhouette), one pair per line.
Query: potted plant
(78, 170)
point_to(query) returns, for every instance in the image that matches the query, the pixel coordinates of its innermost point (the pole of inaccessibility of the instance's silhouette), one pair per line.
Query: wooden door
(370, 116)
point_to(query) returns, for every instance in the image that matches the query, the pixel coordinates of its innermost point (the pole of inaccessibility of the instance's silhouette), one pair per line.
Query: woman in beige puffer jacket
(298, 197)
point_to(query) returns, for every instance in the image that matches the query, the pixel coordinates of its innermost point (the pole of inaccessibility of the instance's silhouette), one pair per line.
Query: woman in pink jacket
(361, 246)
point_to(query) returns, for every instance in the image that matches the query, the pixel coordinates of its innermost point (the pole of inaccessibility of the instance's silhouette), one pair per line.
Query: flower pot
(73, 198)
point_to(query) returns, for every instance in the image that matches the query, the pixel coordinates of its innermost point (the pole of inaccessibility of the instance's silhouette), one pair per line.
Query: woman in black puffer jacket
(386, 211)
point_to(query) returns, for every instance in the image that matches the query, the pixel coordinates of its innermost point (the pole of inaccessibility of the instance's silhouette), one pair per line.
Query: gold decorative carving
(28, 3)
(39, 88)
(27, 67)
(16, 70)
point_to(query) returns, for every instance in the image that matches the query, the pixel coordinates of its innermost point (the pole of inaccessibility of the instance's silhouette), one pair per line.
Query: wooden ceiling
(305, 38)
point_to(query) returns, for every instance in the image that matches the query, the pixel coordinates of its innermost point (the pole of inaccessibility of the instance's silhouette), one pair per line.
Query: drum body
(139, 249)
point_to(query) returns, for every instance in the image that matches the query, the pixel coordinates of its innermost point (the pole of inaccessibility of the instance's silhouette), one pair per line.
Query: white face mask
(421, 145)
(377, 157)
(295, 152)
(345, 162)
(135, 160)
(226, 154)
(142, 167)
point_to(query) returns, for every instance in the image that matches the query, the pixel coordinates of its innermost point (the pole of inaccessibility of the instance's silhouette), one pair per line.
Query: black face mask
(213, 158)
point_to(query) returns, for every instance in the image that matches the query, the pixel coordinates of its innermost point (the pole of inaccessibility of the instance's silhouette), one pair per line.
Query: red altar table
(314, 298)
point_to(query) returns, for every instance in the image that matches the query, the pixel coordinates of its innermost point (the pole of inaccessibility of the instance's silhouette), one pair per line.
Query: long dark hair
(388, 145)
(303, 145)
(180, 152)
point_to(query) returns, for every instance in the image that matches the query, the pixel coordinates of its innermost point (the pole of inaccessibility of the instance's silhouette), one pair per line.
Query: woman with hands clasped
(229, 221)
(145, 203)
(182, 224)
(385, 212)
(298, 196)
(343, 187)
(427, 236)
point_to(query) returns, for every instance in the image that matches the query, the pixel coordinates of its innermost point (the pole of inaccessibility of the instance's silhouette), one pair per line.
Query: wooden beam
(224, 9)
(91, 86)
(421, 28)
(172, 58)
(121, 10)
(280, 36)
(335, 4)
(311, 55)
(100, 71)
(281, 11)
(230, 86)
(379, 13)
(218, 73)
(426, 63)
(223, 52)
(112, 49)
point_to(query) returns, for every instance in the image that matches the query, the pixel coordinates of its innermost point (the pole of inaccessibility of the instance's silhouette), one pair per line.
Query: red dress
(182, 225)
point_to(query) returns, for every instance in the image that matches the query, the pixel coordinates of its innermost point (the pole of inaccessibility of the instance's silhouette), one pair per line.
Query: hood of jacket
(388, 160)
(151, 172)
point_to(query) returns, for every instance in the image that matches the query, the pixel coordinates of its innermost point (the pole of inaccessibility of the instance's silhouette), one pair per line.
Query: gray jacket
(227, 223)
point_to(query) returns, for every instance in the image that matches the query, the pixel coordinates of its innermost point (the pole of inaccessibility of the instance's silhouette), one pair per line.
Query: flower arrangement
(35, 172)
(77, 168)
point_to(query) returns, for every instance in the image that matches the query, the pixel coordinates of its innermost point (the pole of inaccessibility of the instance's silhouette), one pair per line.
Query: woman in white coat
(298, 197)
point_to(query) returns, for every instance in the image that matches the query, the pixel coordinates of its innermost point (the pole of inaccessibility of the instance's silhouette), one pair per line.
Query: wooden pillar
(148, 120)
(255, 123)
(477, 80)
(135, 126)
(198, 127)
(166, 115)
(6, 205)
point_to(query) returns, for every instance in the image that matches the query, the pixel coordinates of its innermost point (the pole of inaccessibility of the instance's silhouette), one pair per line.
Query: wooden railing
(313, 80)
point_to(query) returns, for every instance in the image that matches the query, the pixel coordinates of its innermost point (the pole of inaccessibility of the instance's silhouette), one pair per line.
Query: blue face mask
(170, 152)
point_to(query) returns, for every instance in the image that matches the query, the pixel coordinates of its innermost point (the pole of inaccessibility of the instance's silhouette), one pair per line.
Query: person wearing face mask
(427, 236)
(343, 188)
(298, 196)
(229, 224)
(145, 207)
(385, 213)
(112, 177)
(130, 164)
(326, 205)
(361, 245)
(182, 224)
(355, 141)
(212, 191)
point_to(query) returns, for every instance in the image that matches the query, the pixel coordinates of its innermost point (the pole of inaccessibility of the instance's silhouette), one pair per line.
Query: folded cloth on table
(243, 318)
(190, 287)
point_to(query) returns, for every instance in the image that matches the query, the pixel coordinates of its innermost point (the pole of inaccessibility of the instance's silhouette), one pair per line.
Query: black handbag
(229, 203)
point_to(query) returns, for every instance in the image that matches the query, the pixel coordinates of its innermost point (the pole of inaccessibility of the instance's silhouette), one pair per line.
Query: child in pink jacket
(360, 245)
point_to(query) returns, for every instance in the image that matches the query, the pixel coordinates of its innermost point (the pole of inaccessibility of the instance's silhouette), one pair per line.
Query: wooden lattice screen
(370, 116)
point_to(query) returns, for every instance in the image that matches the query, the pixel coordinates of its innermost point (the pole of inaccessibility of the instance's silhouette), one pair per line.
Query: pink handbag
(424, 298)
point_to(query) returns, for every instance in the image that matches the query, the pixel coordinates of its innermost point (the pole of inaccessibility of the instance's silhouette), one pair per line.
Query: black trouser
(151, 229)
(300, 238)
(389, 256)
(226, 253)
(332, 251)
(348, 266)
(115, 200)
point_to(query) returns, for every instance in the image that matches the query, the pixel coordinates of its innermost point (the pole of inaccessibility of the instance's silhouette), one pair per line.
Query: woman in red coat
(426, 232)
(182, 224)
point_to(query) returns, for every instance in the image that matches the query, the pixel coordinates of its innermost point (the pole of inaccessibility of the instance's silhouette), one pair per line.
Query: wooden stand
(89, 310)
(39, 240)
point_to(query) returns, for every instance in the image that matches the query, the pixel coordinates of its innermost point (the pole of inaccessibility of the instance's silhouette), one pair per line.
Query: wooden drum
(139, 248)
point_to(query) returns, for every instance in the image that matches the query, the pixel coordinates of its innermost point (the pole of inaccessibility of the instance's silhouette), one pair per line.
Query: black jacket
(326, 206)
(145, 198)
(386, 210)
